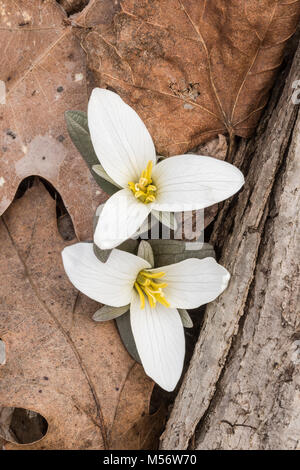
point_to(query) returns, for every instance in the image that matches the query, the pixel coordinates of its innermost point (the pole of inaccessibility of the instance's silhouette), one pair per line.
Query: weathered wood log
(241, 390)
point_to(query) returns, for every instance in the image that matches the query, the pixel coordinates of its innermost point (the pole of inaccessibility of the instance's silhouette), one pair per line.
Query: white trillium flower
(126, 152)
(154, 295)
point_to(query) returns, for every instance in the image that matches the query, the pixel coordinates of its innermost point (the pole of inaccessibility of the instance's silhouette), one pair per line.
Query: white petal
(159, 338)
(120, 138)
(194, 282)
(120, 218)
(189, 182)
(110, 283)
(99, 170)
(149, 223)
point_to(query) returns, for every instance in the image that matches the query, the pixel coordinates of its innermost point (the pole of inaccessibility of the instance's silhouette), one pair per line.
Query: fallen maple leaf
(43, 73)
(192, 69)
(59, 362)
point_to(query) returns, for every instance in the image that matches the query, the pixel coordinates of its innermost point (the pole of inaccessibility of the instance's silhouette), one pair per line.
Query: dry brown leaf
(192, 69)
(143, 433)
(73, 371)
(43, 70)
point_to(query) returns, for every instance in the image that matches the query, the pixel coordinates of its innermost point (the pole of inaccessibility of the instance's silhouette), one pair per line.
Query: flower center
(147, 285)
(144, 190)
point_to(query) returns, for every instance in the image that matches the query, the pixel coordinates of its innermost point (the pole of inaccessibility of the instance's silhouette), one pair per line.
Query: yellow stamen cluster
(146, 285)
(144, 190)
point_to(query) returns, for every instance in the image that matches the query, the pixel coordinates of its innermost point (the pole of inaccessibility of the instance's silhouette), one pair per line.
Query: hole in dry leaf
(73, 6)
(65, 227)
(64, 221)
(22, 426)
(24, 185)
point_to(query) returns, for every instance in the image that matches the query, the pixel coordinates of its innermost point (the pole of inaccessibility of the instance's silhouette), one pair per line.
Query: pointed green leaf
(102, 255)
(124, 327)
(185, 318)
(145, 252)
(107, 312)
(77, 125)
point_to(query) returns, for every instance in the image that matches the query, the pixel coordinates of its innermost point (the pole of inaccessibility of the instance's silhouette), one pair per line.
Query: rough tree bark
(241, 390)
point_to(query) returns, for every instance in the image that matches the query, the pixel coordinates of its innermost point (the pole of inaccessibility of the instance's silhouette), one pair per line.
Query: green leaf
(124, 327)
(145, 252)
(77, 125)
(107, 312)
(173, 251)
(185, 318)
(102, 255)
